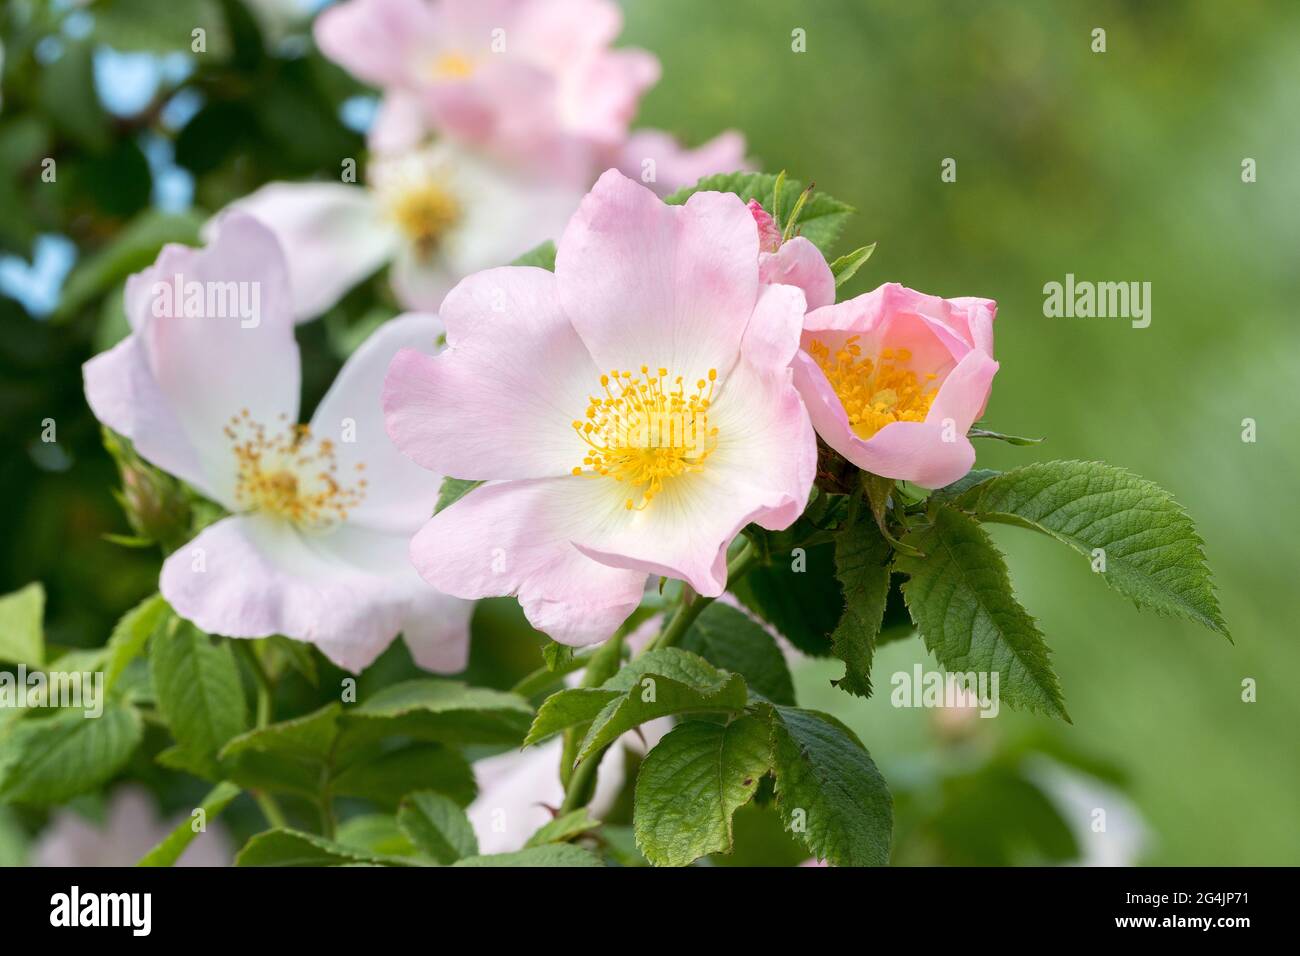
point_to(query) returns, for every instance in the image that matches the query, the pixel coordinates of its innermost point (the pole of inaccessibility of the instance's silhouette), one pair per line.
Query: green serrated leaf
(796, 592)
(167, 852)
(556, 656)
(568, 708)
(729, 639)
(846, 266)
(285, 847)
(130, 635)
(564, 828)
(661, 696)
(22, 628)
(444, 710)
(1152, 552)
(375, 833)
(541, 256)
(820, 221)
(452, 490)
(307, 739)
(552, 854)
(964, 484)
(197, 685)
(53, 759)
(960, 596)
(437, 826)
(862, 567)
(391, 775)
(829, 793)
(692, 782)
(655, 684)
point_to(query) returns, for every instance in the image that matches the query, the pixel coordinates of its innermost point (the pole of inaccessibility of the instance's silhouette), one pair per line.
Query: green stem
(578, 789)
(270, 809)
(265, 802)
(260, 678)
(576, 793)
(688, 611)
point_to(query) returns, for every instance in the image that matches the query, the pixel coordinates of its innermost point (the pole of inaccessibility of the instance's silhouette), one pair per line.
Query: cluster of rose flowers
(627, 414)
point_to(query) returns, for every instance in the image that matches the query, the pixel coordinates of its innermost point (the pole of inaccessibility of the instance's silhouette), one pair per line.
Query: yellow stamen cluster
(290, 474)
(424, 211)
(451, 65)
(875, 392)
(645, 429)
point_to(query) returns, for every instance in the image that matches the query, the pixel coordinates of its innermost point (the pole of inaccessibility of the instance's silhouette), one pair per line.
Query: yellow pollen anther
(643, 431)
(424, 212)
(452, 66)
(874, 393)
(290, 474)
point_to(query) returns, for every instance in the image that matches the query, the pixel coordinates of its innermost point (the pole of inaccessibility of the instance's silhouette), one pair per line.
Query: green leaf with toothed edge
(692, 782)
(656, 684)
(862, 567)
(730, 639)
(820, 221)
(542, 256)
(198, 687)
(552, 854)
(443, 710)
(829, 793)
(452, 490)
(22, 629)
(131, 634)
(959, 594)
(437, 826)
(285, 847)
(846, 266)
(564, 828)
(1153, 554)
(52, 759)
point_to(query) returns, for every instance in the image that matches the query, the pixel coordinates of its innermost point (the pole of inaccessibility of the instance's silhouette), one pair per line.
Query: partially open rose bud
(893, 380)
(155, 504)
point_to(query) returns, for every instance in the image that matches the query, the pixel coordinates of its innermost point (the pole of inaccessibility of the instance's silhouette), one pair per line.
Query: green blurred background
(1115, 166)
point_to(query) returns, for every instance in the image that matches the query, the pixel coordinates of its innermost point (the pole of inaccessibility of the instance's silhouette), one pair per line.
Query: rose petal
(500, 402)
(513, 538)
(664, 286)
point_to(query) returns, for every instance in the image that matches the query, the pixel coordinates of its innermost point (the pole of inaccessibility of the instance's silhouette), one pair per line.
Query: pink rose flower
(530, 79)
(894, 379)
(315, 545)
(434, 215)
(631, 412)
(652, 151)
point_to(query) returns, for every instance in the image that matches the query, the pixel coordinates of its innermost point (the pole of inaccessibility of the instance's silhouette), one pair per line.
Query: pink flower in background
(533, 79)
(436, 214)
(653, 153)
(894, 379)
(631, 412)
(794, 261)
(207, 388)
(132, 827)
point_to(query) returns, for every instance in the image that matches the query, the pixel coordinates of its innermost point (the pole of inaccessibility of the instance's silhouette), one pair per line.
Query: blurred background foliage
(1115, 166)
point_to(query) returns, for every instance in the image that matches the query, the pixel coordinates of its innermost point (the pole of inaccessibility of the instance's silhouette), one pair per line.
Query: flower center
(291, 474)
(875, 392)
(424, 211)
(645, 429)
(451, 65)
